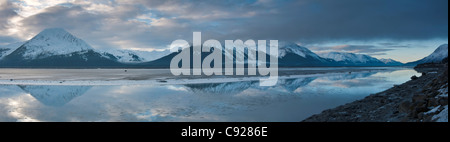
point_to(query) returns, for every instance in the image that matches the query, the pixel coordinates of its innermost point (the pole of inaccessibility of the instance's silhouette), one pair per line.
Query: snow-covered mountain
(286, 48)
(391, 62)
(133, 56)
(289, 54)
(436, 57)
(51, 42)
(123, 56)
(8, 49)
(351, 59)
(294, 55)
(57, 48)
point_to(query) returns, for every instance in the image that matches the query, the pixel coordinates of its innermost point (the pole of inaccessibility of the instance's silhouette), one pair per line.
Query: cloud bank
(154, 24)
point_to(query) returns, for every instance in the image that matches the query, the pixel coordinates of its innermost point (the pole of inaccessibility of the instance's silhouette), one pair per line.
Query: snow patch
(442, 116)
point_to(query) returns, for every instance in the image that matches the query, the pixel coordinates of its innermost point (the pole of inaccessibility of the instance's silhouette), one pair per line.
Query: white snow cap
(55, 41)
(349, 57)
(389, 61)
(134, 56)
(290, 47)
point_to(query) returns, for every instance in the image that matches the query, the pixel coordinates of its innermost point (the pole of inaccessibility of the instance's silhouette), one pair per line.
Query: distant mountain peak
(133, 56)
(354, 59)
(54, 41)
(290, 47)
(349, 57)
(391, 62)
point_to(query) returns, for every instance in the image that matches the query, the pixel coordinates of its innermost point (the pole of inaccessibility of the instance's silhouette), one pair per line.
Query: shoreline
(422, 99)
(160, 77)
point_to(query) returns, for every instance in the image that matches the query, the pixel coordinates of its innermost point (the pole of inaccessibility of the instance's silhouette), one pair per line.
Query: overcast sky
(405, 30)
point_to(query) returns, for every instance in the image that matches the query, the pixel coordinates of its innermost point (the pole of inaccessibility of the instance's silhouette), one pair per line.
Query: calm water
(292, 100)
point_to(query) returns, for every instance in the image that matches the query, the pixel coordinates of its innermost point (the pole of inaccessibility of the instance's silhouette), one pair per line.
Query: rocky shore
(422, 99)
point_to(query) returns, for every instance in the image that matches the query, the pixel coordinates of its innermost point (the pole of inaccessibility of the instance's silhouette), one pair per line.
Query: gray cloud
(6, 12)
(154, 24)
(324, 20)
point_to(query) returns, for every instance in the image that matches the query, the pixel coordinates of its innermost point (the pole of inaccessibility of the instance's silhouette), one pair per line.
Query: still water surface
(292, 100)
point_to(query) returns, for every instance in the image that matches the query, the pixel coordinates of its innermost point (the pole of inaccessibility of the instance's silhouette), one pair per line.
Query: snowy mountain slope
(391, 62)
(349, 57)
(133, 56)
(436, 57)
(151, 56)
(290, 55)
(288, 47)
(285, 48)
(440, 54)
(352, 59)
(8, 49)
(52, 42)
(122, 56)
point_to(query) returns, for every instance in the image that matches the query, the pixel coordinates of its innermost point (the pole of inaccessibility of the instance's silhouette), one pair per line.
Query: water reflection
(290, 100)
(55, 95)
(238, 87)
(290, 85)
(351, 75)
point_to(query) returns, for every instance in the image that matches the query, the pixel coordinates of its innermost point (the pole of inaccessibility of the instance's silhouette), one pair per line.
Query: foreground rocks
(423, 99)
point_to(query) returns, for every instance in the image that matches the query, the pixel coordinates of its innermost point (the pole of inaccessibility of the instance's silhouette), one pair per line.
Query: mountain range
(351, 59)
(57, 48)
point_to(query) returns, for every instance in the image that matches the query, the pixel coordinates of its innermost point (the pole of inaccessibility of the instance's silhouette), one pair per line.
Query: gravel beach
(422, 99)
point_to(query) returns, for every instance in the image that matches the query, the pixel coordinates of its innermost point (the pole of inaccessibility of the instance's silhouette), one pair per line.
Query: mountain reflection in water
(291, 100)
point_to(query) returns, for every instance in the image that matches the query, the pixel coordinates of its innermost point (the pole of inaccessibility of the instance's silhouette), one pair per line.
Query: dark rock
(414, 77)
(421, 109)
(420, 104)
(433, 94)
(433, 102)
(419, 98)
(405, 107)
(421, 115)
(443, 101)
